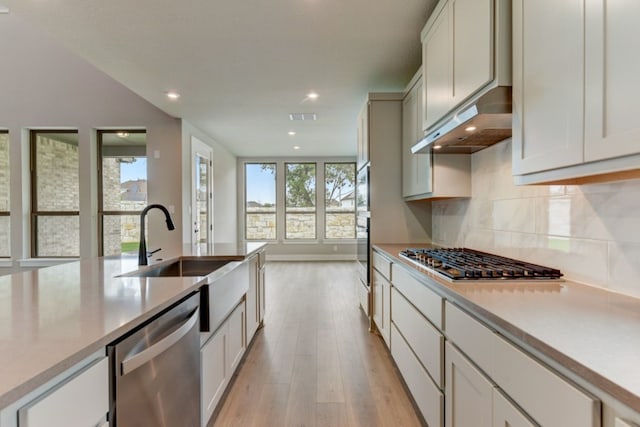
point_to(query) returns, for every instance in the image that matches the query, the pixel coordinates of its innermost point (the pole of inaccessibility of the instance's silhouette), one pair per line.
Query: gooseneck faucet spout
(142, 253)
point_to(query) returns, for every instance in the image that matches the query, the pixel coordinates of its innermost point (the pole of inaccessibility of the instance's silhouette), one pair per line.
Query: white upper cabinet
(611, 79)
(416, 168)
(436, 63)
(363, 137)
(548, 82)
(575, 91)
(465, 47)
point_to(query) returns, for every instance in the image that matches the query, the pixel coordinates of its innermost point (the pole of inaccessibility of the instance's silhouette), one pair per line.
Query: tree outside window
(300, 195)
(340, 210)
(260, 201)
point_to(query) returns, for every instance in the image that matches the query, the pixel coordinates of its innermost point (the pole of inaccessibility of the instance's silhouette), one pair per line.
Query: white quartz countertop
(54, 317)
(590, 332)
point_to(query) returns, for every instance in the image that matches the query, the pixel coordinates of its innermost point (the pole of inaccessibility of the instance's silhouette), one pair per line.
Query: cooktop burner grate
(468, 264)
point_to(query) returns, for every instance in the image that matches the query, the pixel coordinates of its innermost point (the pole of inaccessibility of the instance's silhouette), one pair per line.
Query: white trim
(312, 257)
(44, 262)
(6, 263)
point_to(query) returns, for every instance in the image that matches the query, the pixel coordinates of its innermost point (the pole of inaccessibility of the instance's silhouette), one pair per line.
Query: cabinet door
(505, 414)
(436, 63)
(548, 84)
(377, 300)
(252, 308)
(472, 22)
(386, 311)
(236, 339)
(468, 393)
(262, 304)
(363, 137)
(612, 84)
(81, 401)
(416, 168)
(213, 372)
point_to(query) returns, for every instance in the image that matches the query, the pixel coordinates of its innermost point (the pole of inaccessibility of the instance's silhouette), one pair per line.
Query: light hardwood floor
(315, 363)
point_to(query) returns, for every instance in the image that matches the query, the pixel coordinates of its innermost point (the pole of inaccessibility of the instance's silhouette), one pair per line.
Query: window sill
(6, 263)
(44, 262)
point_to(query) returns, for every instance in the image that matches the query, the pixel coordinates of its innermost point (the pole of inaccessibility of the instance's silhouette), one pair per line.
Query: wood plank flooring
(315, 363)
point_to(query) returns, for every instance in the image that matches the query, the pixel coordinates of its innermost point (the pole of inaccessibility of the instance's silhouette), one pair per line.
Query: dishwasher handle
(134, 362)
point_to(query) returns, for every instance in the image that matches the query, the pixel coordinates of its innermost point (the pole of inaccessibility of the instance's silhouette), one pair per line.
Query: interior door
(201, 192)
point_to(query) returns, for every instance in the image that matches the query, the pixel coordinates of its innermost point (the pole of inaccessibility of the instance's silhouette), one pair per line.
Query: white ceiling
(241, 66)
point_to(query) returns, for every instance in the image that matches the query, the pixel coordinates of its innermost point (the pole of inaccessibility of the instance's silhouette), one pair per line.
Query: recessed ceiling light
(123, 134)
(296, 147)
(312, 95)
(437, 147)
(173, 95)
(291, 133)
(470, 128)
(302, 116)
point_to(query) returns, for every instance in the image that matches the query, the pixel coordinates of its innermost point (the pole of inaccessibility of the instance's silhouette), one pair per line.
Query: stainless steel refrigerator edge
(363, 222)
(155, 371)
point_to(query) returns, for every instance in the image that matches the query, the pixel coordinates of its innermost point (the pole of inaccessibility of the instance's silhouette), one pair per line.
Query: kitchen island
(53, 318)
(587, 335)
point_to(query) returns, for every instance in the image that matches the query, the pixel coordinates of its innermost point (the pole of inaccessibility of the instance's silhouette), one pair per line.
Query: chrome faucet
(142, 253)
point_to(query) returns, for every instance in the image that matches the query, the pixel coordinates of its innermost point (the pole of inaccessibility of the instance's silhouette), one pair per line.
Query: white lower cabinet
(469, 395)
(81, 401)
(219, 357)
(427, 396)
(545, 398)
(382, 305)
(505, 413)
(77, 397)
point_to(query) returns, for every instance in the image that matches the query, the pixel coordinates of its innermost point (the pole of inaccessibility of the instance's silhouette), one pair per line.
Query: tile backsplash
(590, 232)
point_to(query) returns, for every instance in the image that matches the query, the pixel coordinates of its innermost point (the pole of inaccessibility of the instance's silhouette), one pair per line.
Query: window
(55, 220)
(340, 210)
(122, 189)
(300, 193)
(260, 199)
(5, 219)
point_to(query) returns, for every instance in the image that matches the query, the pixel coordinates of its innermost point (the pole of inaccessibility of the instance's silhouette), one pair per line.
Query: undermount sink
(180, 268)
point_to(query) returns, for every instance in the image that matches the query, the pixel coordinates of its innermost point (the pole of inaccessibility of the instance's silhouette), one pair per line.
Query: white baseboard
(312, 257)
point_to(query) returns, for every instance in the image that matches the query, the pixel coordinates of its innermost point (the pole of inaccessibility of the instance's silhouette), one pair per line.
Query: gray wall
(45, 86)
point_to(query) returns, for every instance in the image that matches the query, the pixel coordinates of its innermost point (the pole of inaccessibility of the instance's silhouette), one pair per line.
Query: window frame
(315, 206)
(326, 208)
(101, 212)
(275, 212)
(35, 213)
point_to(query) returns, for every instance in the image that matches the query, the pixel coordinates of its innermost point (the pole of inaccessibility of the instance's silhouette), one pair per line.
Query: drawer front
(427, 396)
(424, 299)
(81, 401)
(425, 340)
(547, 398)
(382, 264)
(470, 336)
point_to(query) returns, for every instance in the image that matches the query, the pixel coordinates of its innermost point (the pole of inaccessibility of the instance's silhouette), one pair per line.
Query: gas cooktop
(459, 264)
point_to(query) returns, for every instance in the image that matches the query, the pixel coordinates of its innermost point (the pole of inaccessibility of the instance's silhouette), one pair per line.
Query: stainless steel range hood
(478, 124)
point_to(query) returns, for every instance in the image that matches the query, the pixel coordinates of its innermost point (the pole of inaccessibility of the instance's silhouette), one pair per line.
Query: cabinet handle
(137, 360)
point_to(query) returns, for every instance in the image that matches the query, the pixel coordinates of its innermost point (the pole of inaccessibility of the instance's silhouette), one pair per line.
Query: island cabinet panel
(425, 340)
(219, 358)
(426, 394)
(253, 308)
(80, 401)
(469, 394)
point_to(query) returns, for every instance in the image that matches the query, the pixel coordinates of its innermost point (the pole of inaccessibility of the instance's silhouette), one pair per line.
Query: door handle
(134, 362)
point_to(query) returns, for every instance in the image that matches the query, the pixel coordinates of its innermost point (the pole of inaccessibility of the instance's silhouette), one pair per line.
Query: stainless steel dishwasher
(155, 371)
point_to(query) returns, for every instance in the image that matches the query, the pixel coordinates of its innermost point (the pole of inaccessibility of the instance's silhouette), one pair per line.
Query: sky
(260, 185)
(133, 171)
